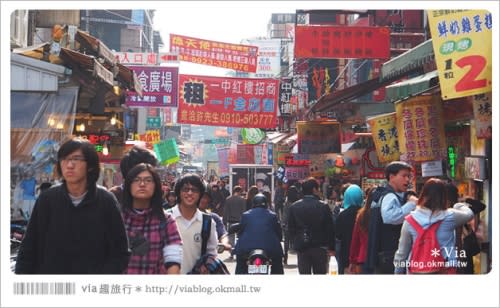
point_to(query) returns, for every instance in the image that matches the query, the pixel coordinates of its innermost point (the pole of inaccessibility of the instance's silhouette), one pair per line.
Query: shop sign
(284, 102)
(290, 161)
(320, 78)
(432, 168)
(96, 138)
(318, 137)
(103, 73)
(482, 115)
(159, 86)
(420, 127)
(296, 173)
(376, 175)
(461, 40)
(231, 56)
(146, 58)
(452, 160)
(475, 168)
(227, 101)
(385, 137)
(153, 122)
(341, 42)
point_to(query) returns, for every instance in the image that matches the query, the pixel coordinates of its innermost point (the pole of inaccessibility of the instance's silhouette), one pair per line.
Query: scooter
(258, 262)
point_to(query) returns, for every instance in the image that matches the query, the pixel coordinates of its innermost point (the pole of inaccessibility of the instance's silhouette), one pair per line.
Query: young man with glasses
(189, 218)
(75, 227)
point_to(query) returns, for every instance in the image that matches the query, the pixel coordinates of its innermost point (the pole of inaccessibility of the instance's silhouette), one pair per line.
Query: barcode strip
(44, 288)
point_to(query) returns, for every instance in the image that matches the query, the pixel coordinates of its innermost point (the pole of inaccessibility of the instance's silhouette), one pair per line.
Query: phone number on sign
(252, 120)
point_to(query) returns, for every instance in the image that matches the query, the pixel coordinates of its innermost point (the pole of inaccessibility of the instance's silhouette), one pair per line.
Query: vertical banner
(322, 75)
(223, 154)
(285, 108)
(420, 127)
(461, 40)
(482, 115)
(318, 137)
(385, 137)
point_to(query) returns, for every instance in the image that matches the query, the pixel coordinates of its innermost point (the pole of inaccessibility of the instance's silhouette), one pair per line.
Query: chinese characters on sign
(231, 56)
(421, 129)
(146, 58)
(462, 47)
(339, 42)
(225, 101)
(385, 137)
(285, 96)
(482, 114)
(159, 86)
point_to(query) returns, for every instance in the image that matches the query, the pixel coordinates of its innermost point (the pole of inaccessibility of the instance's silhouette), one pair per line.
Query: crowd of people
(146, 226)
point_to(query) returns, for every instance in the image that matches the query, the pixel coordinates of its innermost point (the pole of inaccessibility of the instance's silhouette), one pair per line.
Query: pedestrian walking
(154, 239)
(310, 226)
(75, 227)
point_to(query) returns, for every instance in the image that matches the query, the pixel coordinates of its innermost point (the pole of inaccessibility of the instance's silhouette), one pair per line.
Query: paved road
(290, 269)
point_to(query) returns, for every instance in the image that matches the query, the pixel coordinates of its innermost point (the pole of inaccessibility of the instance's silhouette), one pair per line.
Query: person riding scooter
(259, 228)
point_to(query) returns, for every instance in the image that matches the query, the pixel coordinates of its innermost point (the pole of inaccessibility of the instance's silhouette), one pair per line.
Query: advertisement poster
(385, 137)
(482, 105)
(420, 128)
(461, 40)
(319, 137)
(342, 42)
(227, 101)
(159, 86)
(231, 56)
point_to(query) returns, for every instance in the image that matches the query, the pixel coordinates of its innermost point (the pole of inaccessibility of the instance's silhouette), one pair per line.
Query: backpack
(426, 256)
(212, 263)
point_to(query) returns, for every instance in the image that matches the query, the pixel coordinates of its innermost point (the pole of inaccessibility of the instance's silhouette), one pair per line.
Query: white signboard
(146, 58)
(268, 58)
(432, 168)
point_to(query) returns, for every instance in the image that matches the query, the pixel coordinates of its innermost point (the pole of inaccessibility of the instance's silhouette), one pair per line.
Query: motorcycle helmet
(259, 201)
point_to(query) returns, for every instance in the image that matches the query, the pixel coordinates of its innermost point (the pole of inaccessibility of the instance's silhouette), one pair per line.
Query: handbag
(471, 243)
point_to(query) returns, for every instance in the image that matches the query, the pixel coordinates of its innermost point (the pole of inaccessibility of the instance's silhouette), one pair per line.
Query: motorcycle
(258, 262)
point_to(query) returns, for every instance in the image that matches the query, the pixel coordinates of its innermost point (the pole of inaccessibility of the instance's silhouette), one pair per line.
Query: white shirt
(190, 231)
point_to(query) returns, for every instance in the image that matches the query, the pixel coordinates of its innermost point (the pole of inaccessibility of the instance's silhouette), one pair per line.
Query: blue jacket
(259, 228)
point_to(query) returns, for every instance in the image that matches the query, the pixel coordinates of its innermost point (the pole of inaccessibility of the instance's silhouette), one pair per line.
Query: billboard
(318, 137)
(159, 86)
(231, 56)
(227, 101)
(342, 42)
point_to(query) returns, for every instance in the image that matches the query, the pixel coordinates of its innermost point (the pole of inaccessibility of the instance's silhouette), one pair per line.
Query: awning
(348, 94)
(411, 86)
(408, 61)
(276, 137)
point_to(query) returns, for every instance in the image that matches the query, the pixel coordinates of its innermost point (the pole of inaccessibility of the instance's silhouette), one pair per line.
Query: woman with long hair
(359, 242)
(154, 239)
(432, 207)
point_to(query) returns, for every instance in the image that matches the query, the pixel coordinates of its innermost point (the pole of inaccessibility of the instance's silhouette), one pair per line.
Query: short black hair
(189, 178)
(309, 185)
(136, 155)
(89, 152)
(394, 167)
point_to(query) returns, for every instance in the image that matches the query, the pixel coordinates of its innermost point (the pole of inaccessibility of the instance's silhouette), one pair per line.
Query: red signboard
(226, 101)
(231, 56)
(342, 42)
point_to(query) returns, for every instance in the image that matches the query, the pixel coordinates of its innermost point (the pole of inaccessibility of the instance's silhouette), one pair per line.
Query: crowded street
(297, 139)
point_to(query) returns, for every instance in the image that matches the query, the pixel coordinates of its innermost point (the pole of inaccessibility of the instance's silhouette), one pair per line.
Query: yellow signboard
(385, 137)
(421, 129)
(461, 40)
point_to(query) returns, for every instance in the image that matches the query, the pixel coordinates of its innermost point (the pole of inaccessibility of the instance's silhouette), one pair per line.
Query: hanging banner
(318, 138)
(226, 101)
(285, 107)
(385, 137)
(461, 40)
(420, 126)
(159, 86)
(342, 42)
(231, 56)
(322, 75)
(482, 115)
(167, 151)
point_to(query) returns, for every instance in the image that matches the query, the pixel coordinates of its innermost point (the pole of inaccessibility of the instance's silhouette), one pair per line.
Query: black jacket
(315, 215)
(343, 231)
(64, 239)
